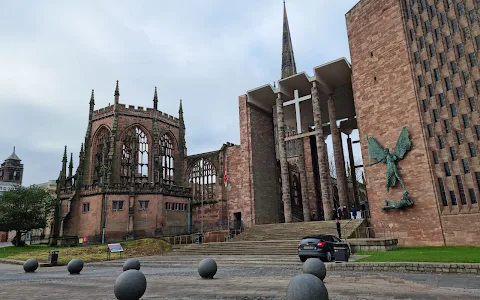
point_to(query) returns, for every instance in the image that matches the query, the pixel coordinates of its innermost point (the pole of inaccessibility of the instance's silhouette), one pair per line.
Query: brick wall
(145, 222)
(460, 229)
(385, 101)
(211, 214)
(263, 166)
(240, 188)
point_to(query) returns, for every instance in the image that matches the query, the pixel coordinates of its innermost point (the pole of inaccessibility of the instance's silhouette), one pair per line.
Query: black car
(318, 246)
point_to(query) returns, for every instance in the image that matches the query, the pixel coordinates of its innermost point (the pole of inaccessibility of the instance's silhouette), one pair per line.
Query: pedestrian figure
(339, 229)
(345, 213)
(354, 212)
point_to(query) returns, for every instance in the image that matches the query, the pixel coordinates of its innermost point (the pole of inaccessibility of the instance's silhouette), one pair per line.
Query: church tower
(11, 170)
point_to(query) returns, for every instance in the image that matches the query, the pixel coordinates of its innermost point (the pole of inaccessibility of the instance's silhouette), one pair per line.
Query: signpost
(114, 248)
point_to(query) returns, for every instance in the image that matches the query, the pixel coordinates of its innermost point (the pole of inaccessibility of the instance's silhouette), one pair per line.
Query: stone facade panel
(385, 101)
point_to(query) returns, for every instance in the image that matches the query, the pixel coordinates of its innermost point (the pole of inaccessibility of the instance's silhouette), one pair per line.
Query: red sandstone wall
(144, 222)
(89, 223)
(264, 171)
(384, 105)
(211, 214)
(459, 229)
(239, 159)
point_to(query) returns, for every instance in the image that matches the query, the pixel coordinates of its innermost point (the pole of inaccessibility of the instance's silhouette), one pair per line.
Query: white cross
(297, 101)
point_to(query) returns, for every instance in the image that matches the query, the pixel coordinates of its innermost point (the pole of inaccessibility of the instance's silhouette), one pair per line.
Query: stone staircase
(297, 230)
(271, 239)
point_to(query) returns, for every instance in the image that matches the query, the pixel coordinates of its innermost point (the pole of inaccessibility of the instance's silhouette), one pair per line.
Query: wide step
(272, 239)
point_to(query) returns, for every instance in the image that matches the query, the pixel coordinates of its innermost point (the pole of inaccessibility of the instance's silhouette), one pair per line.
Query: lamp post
(202, 183)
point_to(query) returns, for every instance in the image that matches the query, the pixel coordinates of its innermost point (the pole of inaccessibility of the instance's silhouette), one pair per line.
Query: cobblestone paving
(238, 277)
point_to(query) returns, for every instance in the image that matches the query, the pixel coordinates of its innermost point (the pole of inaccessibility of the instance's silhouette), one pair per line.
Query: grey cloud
(206, 53)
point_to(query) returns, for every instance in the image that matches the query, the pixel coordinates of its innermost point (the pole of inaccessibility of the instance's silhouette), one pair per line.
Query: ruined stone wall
(263, 160)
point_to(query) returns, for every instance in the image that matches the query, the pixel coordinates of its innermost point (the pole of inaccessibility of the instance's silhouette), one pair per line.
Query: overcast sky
(208, 52)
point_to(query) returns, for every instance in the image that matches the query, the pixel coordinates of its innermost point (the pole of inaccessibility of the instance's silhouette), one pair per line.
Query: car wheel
(303, 259)
(329, 256)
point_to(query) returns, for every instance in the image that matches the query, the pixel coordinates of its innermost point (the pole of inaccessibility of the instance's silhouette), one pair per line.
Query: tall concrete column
(282, 153)
(303, 180)
(329, 177)
(321, 150)
(353, 174)
(338, 154)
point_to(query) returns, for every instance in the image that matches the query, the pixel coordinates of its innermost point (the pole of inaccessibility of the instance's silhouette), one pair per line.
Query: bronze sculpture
(404, 203)
(381, 155)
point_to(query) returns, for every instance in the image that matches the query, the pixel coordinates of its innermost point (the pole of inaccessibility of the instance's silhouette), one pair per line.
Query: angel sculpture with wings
(381, 155)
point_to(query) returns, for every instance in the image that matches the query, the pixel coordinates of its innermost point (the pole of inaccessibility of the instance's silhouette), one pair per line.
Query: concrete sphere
(131, 263)
(30, 265)
(315, 267)
(130, 285)
(207, 268)
(75, 266)
(306, 286)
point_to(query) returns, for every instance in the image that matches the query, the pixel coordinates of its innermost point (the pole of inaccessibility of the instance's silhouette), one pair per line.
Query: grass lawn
(425, 254)
(94, 253)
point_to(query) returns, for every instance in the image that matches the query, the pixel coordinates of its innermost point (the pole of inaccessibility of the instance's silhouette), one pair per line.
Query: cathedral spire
(117, 93)
(180, 110)
(70, 166)
(92, 98)
(288, 60)
(155, 99)
(64, 166)
(92, 106)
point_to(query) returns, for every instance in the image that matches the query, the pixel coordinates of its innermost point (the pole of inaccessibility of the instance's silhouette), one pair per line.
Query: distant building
(6, 186)
(11, 170)
(11, 175)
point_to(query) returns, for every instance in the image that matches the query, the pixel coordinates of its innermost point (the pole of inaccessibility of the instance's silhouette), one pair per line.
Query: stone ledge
(407, 267)
(21, 262)
(11, 261)
(373, 244)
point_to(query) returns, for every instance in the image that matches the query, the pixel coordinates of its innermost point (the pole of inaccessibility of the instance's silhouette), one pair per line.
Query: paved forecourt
(245, 277)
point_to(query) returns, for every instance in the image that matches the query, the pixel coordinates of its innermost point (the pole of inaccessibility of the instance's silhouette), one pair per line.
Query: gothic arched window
(134, 164)
(167, 160)
(202, 179)
(101, 148)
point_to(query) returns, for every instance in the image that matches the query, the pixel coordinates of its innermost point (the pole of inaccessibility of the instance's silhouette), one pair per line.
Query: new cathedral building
(414, 65)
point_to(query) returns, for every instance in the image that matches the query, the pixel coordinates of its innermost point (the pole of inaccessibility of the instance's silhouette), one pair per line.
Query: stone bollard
(75, 266)
(130, 285)
(30, 265)
(315, 267)
(131, 264)
(306, 287)
(207, 268)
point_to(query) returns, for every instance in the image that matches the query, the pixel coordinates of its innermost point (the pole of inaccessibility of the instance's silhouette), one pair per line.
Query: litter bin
(53, 257)
(341, 252)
